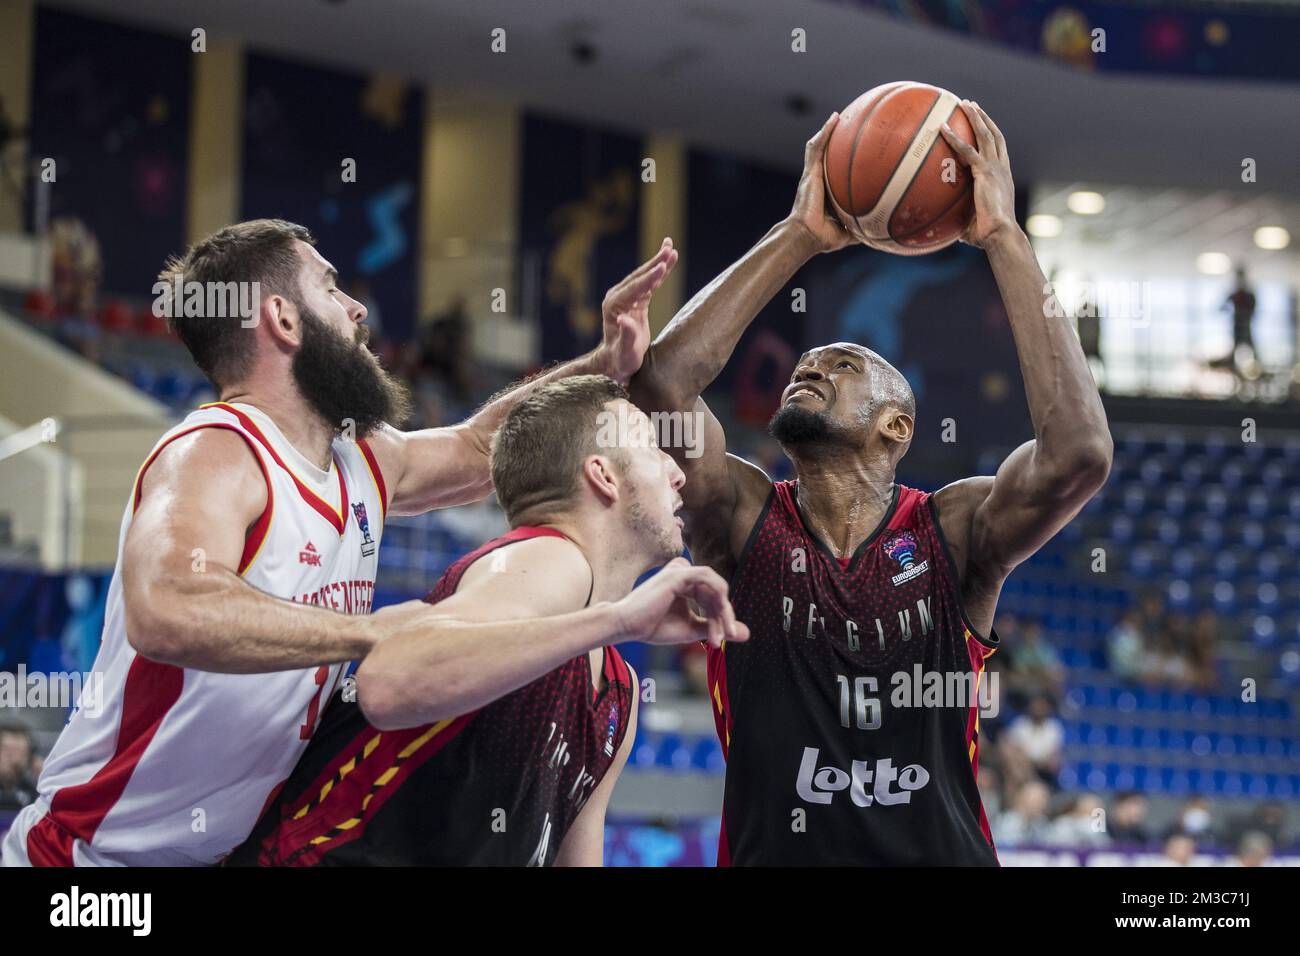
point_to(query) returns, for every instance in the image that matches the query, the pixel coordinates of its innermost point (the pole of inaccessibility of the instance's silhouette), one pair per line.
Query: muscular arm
(185, 601)
(584, 844)
(518, 613)
(723, 493)
(1044, 482)
(445, 467)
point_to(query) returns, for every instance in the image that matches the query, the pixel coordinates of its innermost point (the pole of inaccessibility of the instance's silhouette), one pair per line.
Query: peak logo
(820, 784)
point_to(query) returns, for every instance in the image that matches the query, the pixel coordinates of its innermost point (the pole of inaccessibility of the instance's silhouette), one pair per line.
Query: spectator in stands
(1241, 303)
(16, 784)
(1026, 823)
(1254, 849)
(1202, 671)
(1035, 669)
(1268, 818)
(693, 662)
(1126, 648)
(1150, 613)
(1127, 823)
(1082, 825)
(990, 784)
(1179, 850)
(1167, 663)
(1194, 820)
(1036, 737)
(439, 367)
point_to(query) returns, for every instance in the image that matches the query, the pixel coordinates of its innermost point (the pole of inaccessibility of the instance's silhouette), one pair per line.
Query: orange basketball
(893, 180)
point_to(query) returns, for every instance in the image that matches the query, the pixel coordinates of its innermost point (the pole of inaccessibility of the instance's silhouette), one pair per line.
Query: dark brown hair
(539, 448)
(261, 251)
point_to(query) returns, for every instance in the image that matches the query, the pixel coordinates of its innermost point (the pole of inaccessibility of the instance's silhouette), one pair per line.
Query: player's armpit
(584, 844)
(197, 499)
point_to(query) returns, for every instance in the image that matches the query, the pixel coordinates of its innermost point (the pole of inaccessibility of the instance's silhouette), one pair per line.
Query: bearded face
(343, 381)
(794, 425)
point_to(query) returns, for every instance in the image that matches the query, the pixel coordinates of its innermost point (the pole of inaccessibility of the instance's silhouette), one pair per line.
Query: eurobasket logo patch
(363, 522)
(902, 547)
(611, 731)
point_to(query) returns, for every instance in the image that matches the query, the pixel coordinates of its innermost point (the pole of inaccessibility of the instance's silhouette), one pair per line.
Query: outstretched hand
(625, 315)
(682, 603)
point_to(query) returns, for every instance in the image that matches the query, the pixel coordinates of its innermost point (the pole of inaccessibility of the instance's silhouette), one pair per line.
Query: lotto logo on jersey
(820, 784)
(902, 548)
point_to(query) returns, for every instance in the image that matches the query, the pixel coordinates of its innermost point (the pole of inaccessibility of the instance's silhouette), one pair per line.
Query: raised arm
(519, 613)
(444, 467)
(1001, 521)
(723, 493)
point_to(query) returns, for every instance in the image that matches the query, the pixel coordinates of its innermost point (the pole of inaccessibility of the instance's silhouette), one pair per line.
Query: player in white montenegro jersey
(246, 564)
(316, 542)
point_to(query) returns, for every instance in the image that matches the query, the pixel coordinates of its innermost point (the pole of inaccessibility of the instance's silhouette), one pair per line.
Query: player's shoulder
(956, 505)
(204, 453)
(548, 570)
(962, 498)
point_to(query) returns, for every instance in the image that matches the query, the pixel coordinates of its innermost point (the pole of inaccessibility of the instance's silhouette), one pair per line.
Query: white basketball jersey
(178, 764)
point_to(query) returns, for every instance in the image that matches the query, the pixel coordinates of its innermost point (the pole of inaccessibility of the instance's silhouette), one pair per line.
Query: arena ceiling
(722, 75)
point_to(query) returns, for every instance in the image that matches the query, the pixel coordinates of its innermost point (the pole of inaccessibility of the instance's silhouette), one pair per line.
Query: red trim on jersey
(356, 789)
(255, 535)
(335, 518)
(376, 474)
(720, 705)
(76, 812)
(978, 654)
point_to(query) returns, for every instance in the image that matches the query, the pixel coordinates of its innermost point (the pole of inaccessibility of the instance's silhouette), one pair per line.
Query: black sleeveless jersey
(499, 786)
(850, 718)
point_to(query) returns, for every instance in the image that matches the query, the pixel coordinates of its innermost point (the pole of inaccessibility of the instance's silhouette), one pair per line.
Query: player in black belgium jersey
(850, 718)
(491, 731)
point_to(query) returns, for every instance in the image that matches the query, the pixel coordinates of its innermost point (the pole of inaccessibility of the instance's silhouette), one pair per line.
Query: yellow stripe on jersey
(352, 822)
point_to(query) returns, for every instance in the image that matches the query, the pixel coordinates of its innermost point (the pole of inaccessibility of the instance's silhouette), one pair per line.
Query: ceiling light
(1272, 237)
(1213, 264)
(1086, 203)
(1044, 226)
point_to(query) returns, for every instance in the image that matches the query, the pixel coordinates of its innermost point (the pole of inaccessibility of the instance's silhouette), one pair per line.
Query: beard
(343, 382)
(793, 426)
(663, 541)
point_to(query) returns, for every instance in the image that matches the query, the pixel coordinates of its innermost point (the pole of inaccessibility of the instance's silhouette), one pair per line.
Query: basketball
(893, 181)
